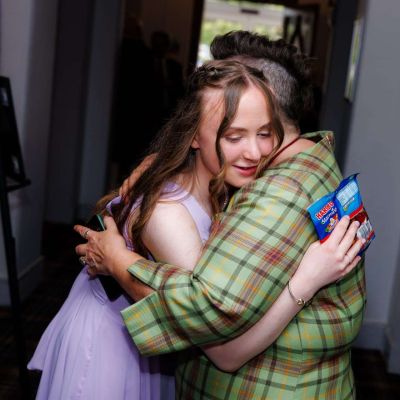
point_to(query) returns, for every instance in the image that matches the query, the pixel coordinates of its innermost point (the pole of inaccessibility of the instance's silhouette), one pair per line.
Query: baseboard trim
(28, 280)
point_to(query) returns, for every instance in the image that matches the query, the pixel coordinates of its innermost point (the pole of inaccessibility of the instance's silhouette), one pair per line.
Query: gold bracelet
(299, 301)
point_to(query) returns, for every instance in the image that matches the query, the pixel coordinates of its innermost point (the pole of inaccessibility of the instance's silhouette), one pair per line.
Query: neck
(288, 148)
(291, 132)
(198, 182)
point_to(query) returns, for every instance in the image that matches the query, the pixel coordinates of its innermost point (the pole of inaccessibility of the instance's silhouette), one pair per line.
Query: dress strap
(280, 151)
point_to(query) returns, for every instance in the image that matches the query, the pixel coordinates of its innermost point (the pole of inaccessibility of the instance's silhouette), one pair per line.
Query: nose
(252, 151)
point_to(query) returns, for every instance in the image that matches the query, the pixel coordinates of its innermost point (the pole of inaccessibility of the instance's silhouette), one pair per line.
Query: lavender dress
(86, 351)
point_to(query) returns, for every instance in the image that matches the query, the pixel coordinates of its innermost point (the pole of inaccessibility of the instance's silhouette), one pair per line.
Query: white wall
(373, 150)
(28, 31)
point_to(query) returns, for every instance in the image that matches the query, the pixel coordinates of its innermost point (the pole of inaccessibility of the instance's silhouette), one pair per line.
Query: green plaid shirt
(253, 250)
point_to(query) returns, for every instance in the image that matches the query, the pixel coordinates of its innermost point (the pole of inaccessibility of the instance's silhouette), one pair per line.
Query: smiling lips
(246, 171)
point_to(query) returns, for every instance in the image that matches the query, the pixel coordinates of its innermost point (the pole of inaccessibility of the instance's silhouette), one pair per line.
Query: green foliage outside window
(218, 27)
(210, 29)
(213, 27)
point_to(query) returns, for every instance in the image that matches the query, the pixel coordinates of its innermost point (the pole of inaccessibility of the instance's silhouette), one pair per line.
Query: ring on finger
(82, 260)
(85, 234)
(90, 261)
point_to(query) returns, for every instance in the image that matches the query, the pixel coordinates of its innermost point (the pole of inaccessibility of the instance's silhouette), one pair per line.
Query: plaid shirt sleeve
(251, 254)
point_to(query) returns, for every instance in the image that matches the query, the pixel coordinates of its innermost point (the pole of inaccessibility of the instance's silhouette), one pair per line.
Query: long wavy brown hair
(172, 147)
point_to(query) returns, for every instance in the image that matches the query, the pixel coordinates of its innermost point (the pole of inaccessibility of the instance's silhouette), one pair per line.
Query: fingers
(351, 258)
(90, 262)
(339, 232)
(349, 238)
(347, 269)
(91, 270)
(83, 231)
(81, 250)
(351, 266)
(82, 260)
(355, 249)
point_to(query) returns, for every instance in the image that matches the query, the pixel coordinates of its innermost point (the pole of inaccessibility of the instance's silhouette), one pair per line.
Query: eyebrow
(239, 129)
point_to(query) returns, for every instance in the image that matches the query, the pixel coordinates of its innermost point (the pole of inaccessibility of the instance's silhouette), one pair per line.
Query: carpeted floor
(60, 269)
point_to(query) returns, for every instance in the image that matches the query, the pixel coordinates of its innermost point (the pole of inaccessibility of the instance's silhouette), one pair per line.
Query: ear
(195, 143)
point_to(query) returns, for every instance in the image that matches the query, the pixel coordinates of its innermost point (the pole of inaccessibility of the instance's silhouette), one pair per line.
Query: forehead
(212, 107)
(212, 101)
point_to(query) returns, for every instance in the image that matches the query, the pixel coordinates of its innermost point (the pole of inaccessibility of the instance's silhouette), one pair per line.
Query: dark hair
(287, 71)
(172, 147)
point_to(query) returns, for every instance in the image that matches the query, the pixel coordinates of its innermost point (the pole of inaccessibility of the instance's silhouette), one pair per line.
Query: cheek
(209, 156)
(211, 153)
(231, 151)
(266, 147)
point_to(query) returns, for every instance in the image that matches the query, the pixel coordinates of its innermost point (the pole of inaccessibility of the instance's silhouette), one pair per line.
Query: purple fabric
(86, 351)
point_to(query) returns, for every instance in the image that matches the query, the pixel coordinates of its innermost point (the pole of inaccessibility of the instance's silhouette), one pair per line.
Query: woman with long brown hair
(222, 135)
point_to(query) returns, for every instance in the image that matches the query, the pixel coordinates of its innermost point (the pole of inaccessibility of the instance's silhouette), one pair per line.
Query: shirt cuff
(154, 274)
(147, 272)
(152, 337)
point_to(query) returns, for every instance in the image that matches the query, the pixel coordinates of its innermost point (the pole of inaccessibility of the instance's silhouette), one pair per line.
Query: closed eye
(232, 139)
(264, 134)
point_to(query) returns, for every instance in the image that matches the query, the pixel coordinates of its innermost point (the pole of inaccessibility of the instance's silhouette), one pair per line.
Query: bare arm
(170, 235)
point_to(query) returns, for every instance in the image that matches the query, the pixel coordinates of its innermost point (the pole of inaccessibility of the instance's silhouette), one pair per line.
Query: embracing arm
(179, 243)
(321, 265)
(238, 277)
(243, 270)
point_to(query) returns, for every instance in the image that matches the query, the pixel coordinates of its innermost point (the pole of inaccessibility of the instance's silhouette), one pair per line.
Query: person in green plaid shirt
(252, 253)
(254, 249)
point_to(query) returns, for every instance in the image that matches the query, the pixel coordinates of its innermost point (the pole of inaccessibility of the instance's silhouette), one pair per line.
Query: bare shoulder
(171, 215)
(171, 235)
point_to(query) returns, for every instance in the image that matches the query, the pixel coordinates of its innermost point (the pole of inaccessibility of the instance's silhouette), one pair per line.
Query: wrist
(302, 288)
(122, 261)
